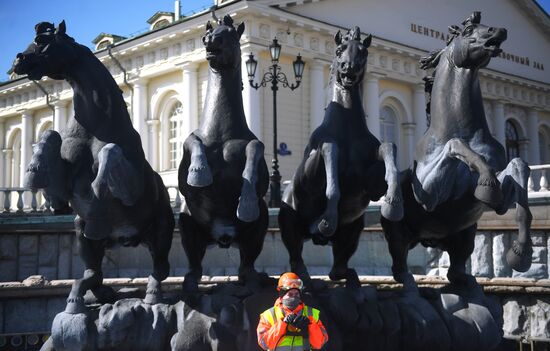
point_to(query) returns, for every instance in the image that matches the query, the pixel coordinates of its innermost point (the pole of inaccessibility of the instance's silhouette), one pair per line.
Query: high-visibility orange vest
(293, 339)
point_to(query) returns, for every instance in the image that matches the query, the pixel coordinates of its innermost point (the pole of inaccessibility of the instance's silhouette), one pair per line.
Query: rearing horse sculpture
(223, 175)
(460, 169)
(98, 165)
(344, 168)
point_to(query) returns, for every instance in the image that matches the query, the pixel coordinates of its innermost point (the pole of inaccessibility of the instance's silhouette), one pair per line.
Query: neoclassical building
(163, 74)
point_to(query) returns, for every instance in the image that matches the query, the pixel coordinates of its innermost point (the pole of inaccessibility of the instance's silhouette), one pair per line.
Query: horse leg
(513, 181)
(194, 244)
(327, 223)
(48, 171)
(460, 247)
(293, 240)
(159, 243)
(248, 209)
(117, 176)
(250, 247)
(91, 252)
(399, 244)
(392, 207)
(487, 189)
(344, 245)
(199, 173)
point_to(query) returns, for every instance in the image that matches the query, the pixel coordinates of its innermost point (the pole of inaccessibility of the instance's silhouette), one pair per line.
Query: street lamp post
(275, 76)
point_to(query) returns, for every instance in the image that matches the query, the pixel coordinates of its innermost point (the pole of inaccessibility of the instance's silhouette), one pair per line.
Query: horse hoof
(519, 256)
(36, 178)
(323, 226)
(199, 177)
(488, 191)
(248, 209)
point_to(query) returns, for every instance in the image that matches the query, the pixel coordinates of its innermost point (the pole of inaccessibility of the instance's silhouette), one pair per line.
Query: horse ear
(367, 41)
(240, 29)
(62, 29)
(208, 26)
(338, 38)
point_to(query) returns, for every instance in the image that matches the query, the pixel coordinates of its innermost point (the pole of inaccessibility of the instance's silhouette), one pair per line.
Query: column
(26, 143)
(419, 106)
(533, 135)
(499, 124)
(3, 164)
(373, 103)
(154, 143)
(59, 115)
(189, 98)
(139, 110)
(409, 133)
(251, 96)
(8, 156)
(489, 115)
(317, 93)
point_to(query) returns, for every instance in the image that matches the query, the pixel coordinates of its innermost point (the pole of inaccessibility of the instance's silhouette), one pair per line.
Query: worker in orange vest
(290, 325)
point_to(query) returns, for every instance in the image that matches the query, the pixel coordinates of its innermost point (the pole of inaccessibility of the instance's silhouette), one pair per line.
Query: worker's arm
(269, 336)
(318, 336)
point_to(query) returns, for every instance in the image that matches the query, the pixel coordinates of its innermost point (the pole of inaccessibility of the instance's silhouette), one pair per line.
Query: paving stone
(538, 238)
(65, 257)
(21, 315)
(48, 250)
(501, 244)
(537, 271)
(540, 254)
(515, 317)
(28, 244)
(539, 318)
(28, 265)
(482, 258)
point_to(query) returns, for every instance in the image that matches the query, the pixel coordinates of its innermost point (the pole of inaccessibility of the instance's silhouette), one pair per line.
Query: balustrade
(13, 200)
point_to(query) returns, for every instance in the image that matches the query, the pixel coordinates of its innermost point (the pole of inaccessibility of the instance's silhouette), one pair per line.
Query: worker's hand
(301, 322)
(290, 318)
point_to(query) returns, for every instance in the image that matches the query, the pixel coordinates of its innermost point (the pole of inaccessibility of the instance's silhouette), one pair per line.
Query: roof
(102, 36)
(159, 14)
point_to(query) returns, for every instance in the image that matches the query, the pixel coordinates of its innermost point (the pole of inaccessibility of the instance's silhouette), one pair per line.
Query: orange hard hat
(289, 281)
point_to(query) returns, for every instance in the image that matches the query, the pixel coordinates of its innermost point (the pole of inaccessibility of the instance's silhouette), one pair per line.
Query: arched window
(175, 140)
(44, 127)
(388, 124)
(14, 160)
(161, 24)
(512, 140)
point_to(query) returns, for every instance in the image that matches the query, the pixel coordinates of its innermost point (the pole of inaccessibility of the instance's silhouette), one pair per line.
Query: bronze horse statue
(98, 165)
(223, 175)
(343, 169)
(459, 170)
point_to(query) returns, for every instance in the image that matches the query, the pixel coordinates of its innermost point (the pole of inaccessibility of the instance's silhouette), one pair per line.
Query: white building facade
(166, 73)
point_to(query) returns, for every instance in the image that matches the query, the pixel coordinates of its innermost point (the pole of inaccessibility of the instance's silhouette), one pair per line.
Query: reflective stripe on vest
(291, 341)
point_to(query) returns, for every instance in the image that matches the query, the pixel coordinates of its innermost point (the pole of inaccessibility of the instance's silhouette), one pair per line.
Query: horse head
(223, 50)
(48, 55)
(470, 47)
(351, 57)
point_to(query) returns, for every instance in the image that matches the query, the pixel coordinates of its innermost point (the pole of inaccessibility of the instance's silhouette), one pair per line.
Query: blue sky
(85, 19)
